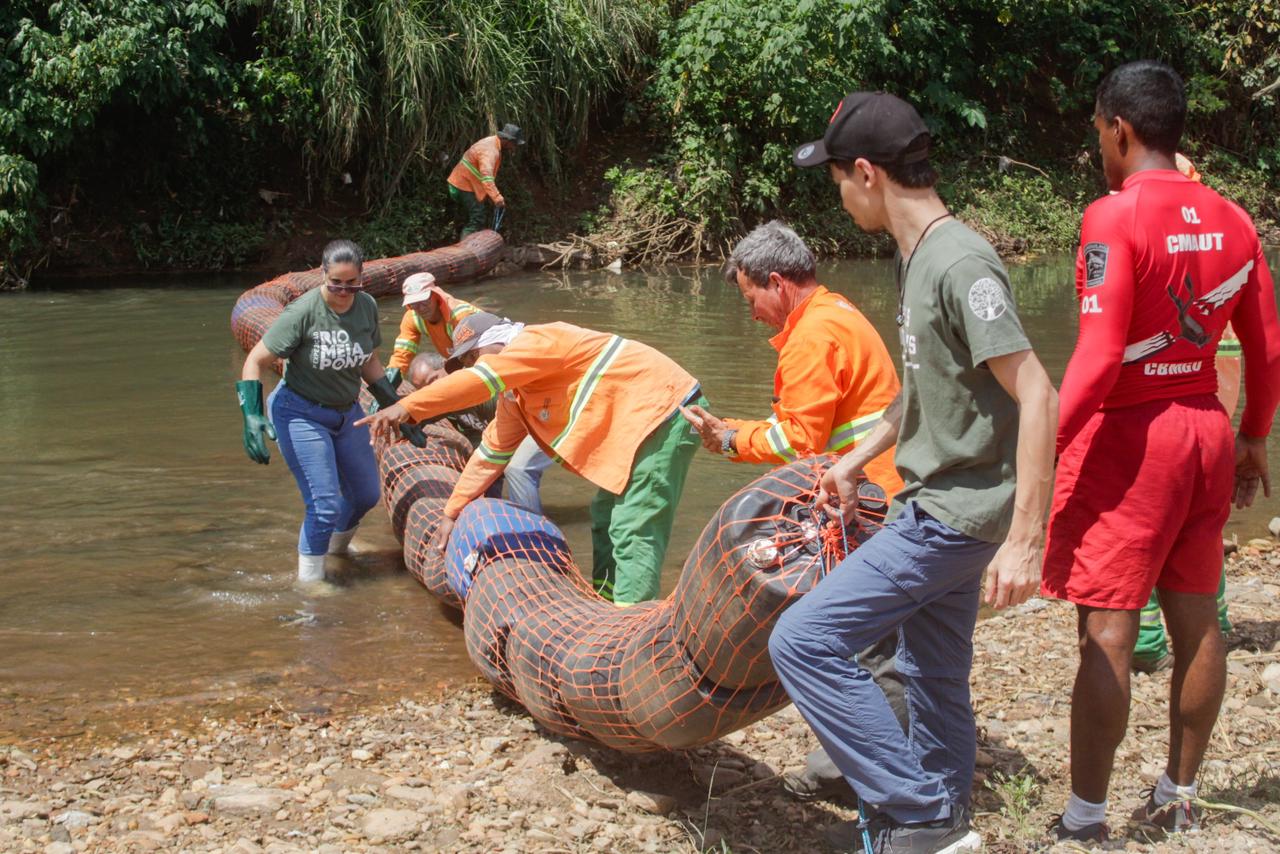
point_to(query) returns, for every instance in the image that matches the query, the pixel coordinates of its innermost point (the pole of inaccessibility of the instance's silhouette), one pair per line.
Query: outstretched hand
(709, 427)
(385, 423)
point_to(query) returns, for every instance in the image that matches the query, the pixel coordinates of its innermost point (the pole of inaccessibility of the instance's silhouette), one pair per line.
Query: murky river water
(147, 564)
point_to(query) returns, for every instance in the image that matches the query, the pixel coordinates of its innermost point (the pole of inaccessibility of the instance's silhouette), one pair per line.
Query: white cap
(418, 288)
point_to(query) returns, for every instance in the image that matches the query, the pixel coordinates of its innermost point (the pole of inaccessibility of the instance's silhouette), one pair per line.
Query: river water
(147, 563)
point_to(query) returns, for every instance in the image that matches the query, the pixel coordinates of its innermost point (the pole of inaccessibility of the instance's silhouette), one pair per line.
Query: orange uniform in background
(414, 327)
(833, 383)
(476, 171)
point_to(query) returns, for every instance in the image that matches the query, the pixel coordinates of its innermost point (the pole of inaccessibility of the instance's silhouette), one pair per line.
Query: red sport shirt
(1163, 265)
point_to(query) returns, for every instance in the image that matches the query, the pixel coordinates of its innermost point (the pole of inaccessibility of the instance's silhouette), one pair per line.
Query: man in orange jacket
(472, 183)
(429, 313)
(834, 379)
(603, 407)
(834, 376)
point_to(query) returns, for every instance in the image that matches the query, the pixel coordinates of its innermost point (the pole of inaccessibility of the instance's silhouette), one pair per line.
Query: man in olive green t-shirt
(976, 408)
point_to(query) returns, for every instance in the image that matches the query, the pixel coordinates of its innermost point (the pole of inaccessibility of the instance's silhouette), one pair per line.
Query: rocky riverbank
(469, 771)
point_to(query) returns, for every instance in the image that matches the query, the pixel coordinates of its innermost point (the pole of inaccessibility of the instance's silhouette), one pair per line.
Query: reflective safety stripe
(474, 171)
(500, 458)
(779, 443)
(453, 315)
(420, 323)
(853, 431)
(1230, 347)
(589, 384)
(407, 345)
(492, 380)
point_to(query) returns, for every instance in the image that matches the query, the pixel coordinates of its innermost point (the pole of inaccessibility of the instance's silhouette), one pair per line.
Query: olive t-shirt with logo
(957, 446)
(323, 350)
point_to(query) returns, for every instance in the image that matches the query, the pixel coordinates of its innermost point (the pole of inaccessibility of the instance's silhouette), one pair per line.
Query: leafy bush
(743, 82)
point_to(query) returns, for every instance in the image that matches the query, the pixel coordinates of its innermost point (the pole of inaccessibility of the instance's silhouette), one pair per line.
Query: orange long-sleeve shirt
(833, 383)
(589, 399)
(477, 171)
(413, 327)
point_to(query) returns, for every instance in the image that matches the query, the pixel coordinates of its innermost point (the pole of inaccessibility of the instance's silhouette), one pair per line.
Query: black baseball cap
(875, 125)
(466, 335)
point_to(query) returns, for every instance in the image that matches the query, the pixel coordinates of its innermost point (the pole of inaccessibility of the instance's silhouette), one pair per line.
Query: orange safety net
(668, 674)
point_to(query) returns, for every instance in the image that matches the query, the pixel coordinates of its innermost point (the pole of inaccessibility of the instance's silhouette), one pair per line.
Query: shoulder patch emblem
(986, 299)
(1095, 264)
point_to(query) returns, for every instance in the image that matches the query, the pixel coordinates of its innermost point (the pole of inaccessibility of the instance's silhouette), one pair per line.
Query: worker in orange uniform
(834, 379)
(472, 181)
(834, 376)
(602, 406)
(430, 313)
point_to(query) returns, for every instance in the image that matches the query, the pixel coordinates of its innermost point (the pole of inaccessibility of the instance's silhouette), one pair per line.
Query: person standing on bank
(473, 181)
(974, 425)
(1148, 466)
(328, 339)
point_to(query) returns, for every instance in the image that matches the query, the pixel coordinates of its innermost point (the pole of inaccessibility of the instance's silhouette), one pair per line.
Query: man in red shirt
(1147, 469)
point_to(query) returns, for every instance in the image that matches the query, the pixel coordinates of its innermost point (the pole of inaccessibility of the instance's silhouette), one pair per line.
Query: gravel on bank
(469, 771)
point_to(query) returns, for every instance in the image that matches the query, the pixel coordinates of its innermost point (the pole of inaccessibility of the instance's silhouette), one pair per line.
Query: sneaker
(1173, 817)
(1152, 665)
(950, 835)
(1094, 833)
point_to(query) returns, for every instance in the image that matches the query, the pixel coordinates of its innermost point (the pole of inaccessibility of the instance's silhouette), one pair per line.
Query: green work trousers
(1152, 644)
(473, 210)
(630, 532)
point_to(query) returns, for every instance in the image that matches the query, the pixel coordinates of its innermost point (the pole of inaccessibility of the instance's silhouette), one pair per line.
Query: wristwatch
(726, 442)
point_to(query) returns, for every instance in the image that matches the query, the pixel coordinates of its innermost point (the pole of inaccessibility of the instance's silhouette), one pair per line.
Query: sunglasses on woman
(344, 289)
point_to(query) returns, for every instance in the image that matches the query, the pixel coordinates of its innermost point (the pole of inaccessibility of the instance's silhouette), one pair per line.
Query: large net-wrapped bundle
(670, 674)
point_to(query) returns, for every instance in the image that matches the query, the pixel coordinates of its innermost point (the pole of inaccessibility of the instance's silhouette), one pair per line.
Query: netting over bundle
(668, 674)
(257, 308)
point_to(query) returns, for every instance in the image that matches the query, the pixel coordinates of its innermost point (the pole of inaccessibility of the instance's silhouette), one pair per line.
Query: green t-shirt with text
(957, 446)
(323, 350)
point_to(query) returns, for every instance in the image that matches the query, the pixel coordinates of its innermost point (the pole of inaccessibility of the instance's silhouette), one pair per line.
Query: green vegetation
(202, 133)
(740, 83)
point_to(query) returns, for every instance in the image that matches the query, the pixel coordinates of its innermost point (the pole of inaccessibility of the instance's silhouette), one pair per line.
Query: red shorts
(1139, 502)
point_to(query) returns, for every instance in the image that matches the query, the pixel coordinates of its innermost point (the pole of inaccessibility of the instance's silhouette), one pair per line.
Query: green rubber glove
(394, 377)
(255, 423)
(385, 395)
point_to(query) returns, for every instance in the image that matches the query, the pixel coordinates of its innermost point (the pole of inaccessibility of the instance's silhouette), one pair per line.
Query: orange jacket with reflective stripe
(588, 398)
(414, 326)
(476, 171)
(833, 383)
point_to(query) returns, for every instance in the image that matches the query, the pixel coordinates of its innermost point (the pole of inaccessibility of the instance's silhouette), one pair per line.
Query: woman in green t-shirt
(328, 340)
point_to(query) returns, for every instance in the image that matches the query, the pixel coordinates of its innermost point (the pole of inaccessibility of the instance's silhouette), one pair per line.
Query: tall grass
(405, 85)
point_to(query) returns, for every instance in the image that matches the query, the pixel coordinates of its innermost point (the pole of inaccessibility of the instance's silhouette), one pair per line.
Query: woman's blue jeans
(332, 461)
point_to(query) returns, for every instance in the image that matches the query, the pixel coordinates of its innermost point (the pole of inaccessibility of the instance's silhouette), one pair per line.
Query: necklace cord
(902, 280)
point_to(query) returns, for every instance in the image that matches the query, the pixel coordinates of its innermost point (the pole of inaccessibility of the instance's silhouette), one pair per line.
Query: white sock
(1167, 790)
(1079, 814)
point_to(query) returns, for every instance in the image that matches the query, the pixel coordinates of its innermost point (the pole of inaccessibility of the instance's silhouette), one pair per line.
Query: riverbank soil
(470, 771)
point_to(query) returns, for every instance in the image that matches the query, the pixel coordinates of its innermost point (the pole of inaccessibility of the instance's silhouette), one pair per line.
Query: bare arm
(372, 370)
(260, 359)
(1014, 572)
